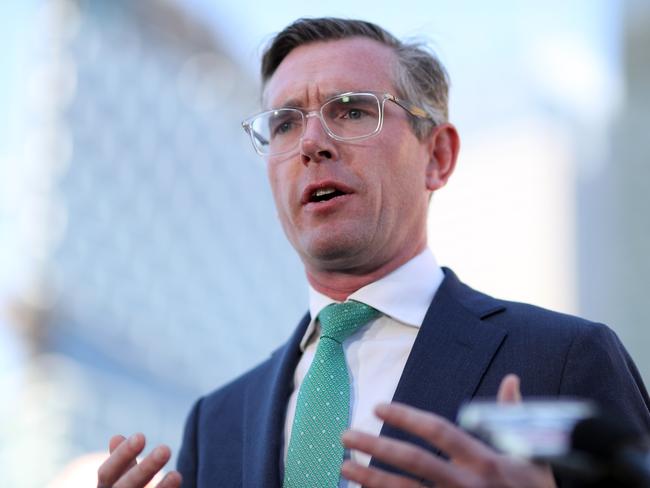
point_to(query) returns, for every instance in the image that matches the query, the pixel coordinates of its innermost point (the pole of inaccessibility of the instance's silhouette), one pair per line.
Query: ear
(444, 145)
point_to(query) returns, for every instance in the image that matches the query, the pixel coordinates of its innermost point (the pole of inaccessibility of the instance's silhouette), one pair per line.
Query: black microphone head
(615, 449)
(603, 436)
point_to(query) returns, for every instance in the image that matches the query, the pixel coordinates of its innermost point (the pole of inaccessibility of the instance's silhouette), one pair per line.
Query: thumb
(509, 391)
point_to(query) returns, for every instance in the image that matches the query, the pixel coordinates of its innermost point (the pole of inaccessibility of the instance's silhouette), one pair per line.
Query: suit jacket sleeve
(598, 366)
(188, 455)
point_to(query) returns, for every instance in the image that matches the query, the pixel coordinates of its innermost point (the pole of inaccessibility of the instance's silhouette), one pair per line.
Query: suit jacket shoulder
(555, 354)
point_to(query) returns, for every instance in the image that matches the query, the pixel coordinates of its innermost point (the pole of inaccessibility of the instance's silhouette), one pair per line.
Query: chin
(336, 254)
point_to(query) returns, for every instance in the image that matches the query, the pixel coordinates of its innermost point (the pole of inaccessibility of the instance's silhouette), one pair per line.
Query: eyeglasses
(347, 117)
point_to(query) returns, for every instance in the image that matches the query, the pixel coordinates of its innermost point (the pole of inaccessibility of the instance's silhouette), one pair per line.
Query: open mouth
(324, 191)
(324, 194)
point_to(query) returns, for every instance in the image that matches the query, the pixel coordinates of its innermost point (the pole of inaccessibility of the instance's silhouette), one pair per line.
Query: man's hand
(472, 464)
(121, 470)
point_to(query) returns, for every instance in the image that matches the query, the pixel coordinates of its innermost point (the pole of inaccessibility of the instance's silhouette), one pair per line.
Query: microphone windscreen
(603, 436)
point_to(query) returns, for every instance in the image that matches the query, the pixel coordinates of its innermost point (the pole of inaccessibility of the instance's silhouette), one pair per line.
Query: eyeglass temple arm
(255, 134)
(414, 110)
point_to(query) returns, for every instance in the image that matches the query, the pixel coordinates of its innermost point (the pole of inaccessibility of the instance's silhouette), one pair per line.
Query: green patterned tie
(315, 451)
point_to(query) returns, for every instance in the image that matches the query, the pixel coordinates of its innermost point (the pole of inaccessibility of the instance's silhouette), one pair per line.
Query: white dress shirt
(377, 353)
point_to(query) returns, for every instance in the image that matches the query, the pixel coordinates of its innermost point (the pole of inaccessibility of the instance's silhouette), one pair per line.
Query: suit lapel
(264, 414)
(450, 355)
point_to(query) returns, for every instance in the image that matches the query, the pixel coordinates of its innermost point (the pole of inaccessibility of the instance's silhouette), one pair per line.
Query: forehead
(313, 72)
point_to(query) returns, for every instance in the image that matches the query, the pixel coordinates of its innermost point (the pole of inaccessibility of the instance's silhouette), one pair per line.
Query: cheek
(281, 190)
(276, 178)
(403, 185)
(276, 189)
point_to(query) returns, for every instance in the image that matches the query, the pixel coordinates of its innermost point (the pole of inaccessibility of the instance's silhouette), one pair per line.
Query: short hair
(419, 75)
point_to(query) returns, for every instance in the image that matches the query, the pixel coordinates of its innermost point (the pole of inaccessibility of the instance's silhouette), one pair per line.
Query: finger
(509, 390)
(115, 441)
(143, 472)
(120, 460)
(113, 444)
(408, 457)
(436, 430)
(519, 472)
(173, 479)
(375, 478)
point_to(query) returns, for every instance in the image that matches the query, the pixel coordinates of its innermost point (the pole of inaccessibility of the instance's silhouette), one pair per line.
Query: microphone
(606, 451)
(582, 443)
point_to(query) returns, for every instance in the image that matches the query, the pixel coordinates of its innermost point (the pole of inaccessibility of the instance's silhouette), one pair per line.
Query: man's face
(380, 213)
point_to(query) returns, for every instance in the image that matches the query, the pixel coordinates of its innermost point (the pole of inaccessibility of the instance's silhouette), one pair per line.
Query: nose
(316, 145)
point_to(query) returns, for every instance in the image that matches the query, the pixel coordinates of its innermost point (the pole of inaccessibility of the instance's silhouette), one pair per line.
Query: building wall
(631, 171)
(614, 203)
(167, 274)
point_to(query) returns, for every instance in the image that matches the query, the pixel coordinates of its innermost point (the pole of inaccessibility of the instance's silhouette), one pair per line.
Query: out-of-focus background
(141, 262)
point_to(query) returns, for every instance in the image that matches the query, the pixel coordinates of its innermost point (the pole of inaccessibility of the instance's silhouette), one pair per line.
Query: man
(356, 139)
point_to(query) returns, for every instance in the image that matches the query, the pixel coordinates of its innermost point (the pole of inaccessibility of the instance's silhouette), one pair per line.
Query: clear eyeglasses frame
(350, 116)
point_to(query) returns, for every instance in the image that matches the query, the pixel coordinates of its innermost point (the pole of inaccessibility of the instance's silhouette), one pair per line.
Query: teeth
(323, 191)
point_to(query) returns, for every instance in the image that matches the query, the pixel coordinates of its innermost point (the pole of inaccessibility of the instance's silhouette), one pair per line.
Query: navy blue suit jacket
(467, 343)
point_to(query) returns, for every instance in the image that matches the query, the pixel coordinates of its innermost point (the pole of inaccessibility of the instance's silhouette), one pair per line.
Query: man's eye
(282, 128)
(353, 114)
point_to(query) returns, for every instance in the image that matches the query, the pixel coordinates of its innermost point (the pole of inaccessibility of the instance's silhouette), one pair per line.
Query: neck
(340, 284)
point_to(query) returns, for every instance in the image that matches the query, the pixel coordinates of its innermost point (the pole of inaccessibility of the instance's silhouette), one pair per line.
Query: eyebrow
(297, 103)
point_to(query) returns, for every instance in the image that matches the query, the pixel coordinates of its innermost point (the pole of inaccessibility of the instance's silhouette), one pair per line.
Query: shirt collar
(404, 295)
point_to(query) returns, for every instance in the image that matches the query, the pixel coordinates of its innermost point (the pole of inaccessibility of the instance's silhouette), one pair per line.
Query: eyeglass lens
(347, 117)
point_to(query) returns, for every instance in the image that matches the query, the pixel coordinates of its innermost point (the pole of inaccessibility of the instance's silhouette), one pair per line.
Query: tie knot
(340, 320)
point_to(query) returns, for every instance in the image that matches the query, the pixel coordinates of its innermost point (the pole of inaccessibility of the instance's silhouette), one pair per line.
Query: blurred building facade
(165, 265)
(614, 202)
